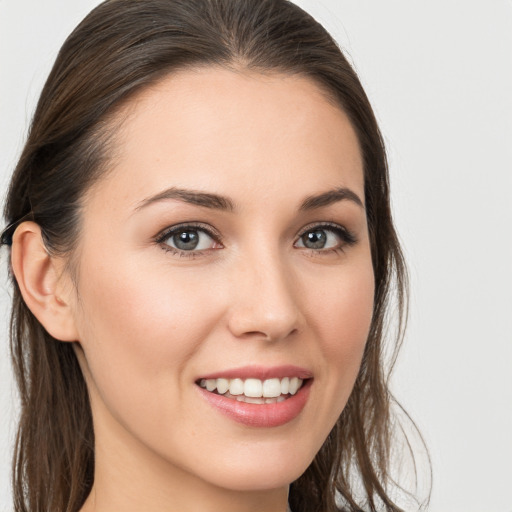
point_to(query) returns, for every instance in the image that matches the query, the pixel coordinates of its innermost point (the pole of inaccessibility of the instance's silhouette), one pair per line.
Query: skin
(149, 321)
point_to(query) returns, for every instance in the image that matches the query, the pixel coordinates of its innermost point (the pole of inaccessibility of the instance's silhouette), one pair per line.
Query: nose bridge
(264, 301)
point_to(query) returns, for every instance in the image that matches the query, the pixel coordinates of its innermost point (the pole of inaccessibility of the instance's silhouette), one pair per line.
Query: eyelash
(190, 226)
(347, 238)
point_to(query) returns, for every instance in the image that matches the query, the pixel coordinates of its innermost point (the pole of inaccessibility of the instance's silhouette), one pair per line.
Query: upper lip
(260, 372)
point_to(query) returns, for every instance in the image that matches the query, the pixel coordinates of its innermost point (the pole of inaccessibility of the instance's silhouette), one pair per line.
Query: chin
(263, 471)
(259, 479)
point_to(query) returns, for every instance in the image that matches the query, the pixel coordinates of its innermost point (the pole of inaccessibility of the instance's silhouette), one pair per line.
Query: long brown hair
(120, 48)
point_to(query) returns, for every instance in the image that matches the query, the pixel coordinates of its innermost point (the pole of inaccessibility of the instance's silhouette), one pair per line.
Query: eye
(188, 239)
(325, 237)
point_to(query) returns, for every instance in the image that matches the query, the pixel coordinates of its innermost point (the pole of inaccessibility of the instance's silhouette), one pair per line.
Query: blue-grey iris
(186, 240)
(315, 239)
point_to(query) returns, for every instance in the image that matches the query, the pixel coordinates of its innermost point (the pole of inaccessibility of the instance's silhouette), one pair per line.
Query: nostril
(267, 336)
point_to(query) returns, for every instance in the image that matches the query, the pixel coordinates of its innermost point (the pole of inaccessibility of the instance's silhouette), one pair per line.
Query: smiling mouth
(254, 391)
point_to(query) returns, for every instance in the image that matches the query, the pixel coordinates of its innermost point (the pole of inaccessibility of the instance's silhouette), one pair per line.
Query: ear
(46, 289)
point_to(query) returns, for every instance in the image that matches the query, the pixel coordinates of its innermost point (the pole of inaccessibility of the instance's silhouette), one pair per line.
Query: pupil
(315, 239)
(186, 240)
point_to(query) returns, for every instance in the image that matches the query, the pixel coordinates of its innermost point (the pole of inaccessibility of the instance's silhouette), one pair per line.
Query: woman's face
(228, 247)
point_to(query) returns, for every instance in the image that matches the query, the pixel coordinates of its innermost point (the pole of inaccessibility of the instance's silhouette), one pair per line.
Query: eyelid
(347, 236)
(163, 235)
(323, 224)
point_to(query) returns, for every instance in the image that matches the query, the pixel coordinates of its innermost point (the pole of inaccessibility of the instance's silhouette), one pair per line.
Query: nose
(264, 302)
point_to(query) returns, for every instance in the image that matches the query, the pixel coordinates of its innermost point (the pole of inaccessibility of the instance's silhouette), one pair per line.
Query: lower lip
(260, 415)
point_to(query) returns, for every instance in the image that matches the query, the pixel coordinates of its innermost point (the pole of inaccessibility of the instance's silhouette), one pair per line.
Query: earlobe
(41, 283)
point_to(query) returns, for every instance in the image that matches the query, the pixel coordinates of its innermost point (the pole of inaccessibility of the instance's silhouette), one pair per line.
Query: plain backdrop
(439, 75)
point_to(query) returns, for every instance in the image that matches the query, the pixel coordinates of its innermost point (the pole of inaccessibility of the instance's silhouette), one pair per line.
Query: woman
(203, 254)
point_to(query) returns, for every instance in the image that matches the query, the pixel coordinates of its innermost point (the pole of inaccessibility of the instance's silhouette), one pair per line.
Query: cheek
(343, 309)
(347, 319)
(145, 327)
(138, 305)
(342, 316)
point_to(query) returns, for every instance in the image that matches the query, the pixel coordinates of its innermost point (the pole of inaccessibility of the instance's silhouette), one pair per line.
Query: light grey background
(439, 74)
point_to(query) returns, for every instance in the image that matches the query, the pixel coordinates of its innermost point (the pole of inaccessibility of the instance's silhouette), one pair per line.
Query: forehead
(236, 133)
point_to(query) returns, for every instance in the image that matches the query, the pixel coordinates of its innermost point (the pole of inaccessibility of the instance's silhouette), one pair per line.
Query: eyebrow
(330, 197)
(218, 202)
(205, 199)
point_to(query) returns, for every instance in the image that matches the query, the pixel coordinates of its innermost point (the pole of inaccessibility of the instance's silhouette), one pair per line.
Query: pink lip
(261, 372)
(260, 415)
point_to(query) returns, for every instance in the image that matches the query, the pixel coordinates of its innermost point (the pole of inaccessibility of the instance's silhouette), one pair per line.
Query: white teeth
(253, 388)
(285, 386)
(236, 387)
(222, 385)
(295, 384)
(270, 389)
(250, 400)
